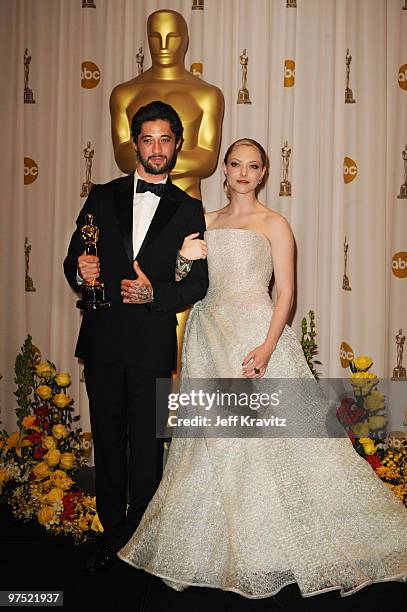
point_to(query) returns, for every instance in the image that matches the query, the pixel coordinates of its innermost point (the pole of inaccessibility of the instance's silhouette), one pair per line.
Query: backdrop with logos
(326, 94)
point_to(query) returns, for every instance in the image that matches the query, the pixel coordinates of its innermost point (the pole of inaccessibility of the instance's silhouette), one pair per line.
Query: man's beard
(164, 169)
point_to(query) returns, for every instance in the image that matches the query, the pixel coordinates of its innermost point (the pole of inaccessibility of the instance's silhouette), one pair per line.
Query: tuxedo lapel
(167, 206)
(124, 212)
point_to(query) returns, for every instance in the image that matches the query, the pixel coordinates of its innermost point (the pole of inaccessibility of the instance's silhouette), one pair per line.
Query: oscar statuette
(243, 96)
(403, 189)
(399, 372)
(93, 292)
(285, 185)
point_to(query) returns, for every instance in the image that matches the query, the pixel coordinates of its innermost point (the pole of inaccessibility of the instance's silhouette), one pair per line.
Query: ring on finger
(256, 370)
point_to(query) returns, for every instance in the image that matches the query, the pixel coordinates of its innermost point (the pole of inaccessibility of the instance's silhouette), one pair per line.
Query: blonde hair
(252, 143)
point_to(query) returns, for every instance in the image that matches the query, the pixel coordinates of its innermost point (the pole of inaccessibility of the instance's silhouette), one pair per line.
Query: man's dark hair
(153, 111)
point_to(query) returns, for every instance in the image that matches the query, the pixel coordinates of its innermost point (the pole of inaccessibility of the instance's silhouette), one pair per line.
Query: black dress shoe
(102, 560)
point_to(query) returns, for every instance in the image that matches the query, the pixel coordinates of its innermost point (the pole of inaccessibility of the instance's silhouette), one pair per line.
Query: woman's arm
(278, 231)
(191, 250)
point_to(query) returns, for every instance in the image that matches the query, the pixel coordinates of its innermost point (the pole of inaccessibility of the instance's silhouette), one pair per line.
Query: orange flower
(29, 422)
(16, 441)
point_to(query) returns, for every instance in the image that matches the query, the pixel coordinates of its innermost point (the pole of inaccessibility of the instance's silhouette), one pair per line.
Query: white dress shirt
(144, 207)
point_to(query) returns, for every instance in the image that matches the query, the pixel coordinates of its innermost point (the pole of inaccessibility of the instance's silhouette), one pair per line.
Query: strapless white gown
(254, 515)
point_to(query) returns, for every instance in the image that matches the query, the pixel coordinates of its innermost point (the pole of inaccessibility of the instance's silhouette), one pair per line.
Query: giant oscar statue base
(199, 104)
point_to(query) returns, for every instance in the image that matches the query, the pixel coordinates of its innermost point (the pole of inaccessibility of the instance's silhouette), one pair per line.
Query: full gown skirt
(254, 515)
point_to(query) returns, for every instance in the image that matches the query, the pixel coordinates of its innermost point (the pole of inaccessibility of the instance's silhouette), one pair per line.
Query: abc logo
(197, 69)
(90, 75)
(402, 77)
(350, 170)
(346, 354)
(396, 439)
(87, 444)
(289, 73)
(399, 264)
(30, 171)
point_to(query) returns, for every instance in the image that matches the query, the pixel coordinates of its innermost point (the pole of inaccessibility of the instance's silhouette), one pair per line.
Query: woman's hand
(255, 363)
(193, 249)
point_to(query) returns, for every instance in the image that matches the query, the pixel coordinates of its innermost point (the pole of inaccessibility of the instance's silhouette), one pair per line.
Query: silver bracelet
(182, 265)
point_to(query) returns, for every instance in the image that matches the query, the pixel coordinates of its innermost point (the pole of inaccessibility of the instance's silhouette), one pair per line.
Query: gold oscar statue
(199, 104)
(345, 280)
(399, 372)
(29, 284)
(140, 61)
(243, 96)
(88, 154)
(349, 99)
(285, 185)
(28, 93)
(93, 291)
(403, 189)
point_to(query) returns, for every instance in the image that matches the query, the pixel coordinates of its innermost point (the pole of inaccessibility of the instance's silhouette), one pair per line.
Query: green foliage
(24, 379)
(309, 346)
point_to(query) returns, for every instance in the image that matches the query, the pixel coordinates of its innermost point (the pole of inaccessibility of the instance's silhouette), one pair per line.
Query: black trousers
(128, 456)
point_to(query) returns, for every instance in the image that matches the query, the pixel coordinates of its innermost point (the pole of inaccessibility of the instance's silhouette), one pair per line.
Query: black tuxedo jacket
(139, 334)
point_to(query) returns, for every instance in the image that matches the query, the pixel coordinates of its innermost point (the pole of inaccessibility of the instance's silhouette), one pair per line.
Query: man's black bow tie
(143, 186)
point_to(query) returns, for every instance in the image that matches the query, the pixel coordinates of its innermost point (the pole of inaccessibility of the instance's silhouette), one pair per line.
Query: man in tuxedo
(143, 219)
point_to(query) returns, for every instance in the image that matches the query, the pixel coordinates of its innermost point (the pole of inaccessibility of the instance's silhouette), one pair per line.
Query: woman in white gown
(253, 515)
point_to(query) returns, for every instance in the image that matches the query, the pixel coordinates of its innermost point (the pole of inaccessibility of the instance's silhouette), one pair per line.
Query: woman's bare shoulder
(275, 225)
(212, 216)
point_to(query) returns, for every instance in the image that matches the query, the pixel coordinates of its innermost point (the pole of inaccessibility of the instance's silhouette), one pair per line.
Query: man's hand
(88, 267)
(139, 291)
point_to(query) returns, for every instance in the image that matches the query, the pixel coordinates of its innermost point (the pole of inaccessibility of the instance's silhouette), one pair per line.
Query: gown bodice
(239, 263)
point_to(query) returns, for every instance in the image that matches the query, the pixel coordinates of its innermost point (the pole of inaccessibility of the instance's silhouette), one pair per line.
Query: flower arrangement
(309, 346)
(363, 417)
(38, 460)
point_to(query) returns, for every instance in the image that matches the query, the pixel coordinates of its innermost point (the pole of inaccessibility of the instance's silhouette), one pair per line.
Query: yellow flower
(67, 461)
(363, 382)
(59, 431)
(49, 443)
(52, 457)
(360, 430)
(45, 515)
(96, 524)
(41, 470)
(374, 401)
(377, 422)
(61, 480)
(56, 494)
(17, 441)
(61, 400)
(29, 422)
(44, 370)
(362, 362)
(44, 392)
(63, 379)
(369, 447)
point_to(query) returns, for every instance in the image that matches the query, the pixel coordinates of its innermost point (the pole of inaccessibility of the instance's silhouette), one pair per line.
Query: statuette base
(93, 297)
(345, 283)
(243, 97)
(349, 99)
(86, 187)
(285, 188)
(28, 96)
(29, 284)
(403, 192)
(399, 373)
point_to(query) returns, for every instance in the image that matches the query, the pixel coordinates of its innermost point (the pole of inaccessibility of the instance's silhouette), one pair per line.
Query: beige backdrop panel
(307, 109)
